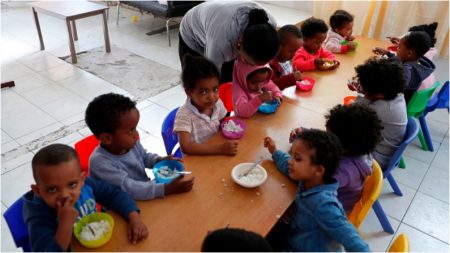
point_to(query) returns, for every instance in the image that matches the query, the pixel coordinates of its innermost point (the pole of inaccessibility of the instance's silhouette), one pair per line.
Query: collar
(330, 187)
(203, 116)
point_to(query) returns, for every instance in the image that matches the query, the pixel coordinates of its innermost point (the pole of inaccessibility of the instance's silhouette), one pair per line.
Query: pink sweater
(431, 79)
(246, 103)
(304, 61)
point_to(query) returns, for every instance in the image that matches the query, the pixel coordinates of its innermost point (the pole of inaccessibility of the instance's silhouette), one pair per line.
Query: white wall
(306, 6)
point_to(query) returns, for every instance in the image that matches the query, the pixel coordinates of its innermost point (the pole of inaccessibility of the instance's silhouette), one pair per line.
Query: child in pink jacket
(252, 86)
(312, 55)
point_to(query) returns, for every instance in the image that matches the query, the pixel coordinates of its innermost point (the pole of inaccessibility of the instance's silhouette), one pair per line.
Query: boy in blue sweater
(62, 194)
(316, 221)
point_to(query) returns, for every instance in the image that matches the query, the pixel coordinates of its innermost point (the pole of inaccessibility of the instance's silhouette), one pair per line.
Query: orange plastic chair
(371, 191)
(226, 96)
(84, 148)
(349, 99)
(400, 244)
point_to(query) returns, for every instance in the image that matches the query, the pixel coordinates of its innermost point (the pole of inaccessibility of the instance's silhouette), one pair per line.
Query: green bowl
(94, 217)
(344, 42)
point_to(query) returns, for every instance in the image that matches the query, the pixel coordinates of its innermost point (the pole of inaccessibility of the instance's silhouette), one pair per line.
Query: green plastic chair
(415, 108)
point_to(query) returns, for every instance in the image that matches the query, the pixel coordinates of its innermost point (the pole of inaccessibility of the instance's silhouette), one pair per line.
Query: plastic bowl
(306, 84)
(255, 178)
(94, 217)
(344, 42)
(325, 67)
(233, 135)
(349, 99)
(392, 48)
(269, 107)
(172, 164)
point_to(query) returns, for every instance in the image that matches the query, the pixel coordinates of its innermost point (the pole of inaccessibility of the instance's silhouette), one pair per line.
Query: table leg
(75, 34)
(71, 44)
(38, 27)
(105, 31)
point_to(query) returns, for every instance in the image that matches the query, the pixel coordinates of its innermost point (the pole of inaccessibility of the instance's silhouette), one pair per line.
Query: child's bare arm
(179, 185)
(67, 216)
(137, 230)
(188, 146)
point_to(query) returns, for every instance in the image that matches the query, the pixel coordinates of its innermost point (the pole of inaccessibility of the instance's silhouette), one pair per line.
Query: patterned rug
(140, 76)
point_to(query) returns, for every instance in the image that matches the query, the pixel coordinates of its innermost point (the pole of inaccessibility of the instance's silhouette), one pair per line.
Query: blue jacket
(319, 222)
(42, 220)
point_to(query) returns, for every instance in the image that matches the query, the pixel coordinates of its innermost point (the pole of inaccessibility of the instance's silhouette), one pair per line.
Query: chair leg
(423, 144)
(402, 163)
(382, 217)
(118, 14)
(394, 185)
(426, 133)
(167, 29)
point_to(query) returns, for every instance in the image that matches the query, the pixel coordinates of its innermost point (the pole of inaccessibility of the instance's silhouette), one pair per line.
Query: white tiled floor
(51, 95)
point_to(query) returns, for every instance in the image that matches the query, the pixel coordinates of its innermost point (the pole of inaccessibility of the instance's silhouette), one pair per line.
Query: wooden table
(71, 11)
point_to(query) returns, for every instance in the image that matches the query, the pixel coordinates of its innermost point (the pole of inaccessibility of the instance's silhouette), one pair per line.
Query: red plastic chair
(226, 96)
(84, 148)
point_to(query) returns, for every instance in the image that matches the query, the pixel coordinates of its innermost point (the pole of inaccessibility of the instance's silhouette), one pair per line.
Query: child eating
(62, 194)
(341, 23)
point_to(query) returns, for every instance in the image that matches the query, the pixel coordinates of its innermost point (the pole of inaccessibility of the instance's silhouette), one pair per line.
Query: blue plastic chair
(169, 137)
(412, 130)
(17, 226)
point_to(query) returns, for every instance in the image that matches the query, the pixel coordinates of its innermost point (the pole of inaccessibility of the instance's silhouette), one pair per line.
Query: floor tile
(441, 158)
(16, 162)
(87, 86)
(66, 107)
(439, 130)
(13, 104)
(154, 145)
(4, 208)
(174, 101)
(74, 118)
(5, 137)
(30, 82)
(435, 184)
(413, 174)
(429, 215)
(46, 94)
(373, 233)
(440, 115)
(8, 146)
(61, 72)
(14, 70)
(421, 242)
(152, 118)
(27, 122)
(85, 131)
(41, 60)
(15, 183)
(68, 139)
(40, 133)
(393, 205)
(7, 239)
(414, 150)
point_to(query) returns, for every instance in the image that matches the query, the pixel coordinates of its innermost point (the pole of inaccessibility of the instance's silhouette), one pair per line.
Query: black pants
(227, 67)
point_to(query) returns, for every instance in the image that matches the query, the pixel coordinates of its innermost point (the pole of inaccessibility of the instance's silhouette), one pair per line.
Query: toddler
(341, 23)
(199, 118)
(290, 41)
(252, 86)
(312, 55)
(62, 194)
(120, 158)
(381, 81)
(234, 240)
(318, 222)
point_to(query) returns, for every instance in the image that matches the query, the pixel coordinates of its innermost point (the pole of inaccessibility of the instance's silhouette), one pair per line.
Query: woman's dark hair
(357, 126)
(430, 29)
(418, 41)
(381, 76)
(235, 240)
(260, 39)
(196, 68)
(289, 30)
(313, 25)
(340, 18)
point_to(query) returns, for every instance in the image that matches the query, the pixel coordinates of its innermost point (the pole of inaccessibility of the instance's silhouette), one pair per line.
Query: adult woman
(223, 31)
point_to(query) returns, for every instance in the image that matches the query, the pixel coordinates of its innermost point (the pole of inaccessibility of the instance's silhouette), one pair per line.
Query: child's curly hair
(313, 25)
(381, 76)
(357, 126)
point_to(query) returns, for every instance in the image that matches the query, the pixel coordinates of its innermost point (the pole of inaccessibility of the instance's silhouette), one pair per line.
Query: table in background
(71, 11)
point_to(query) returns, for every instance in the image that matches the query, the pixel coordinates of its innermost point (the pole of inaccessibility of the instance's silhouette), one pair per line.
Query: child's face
(126, 135)
(257, 82)
(59, 183)
(300, 165)
(313, 44)
(288, 49)
(346, 29)
(205, 94)
(403, 53)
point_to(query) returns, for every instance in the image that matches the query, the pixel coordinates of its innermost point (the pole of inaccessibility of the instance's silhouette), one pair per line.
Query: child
(120, 158)
(199, 118)
(252, 86)
(411, 48)
(312, 55)
(341, 23)
(235, 240)
(318, 222)
(358, 128)
(381, 82)
(290, 41)
(62, 194)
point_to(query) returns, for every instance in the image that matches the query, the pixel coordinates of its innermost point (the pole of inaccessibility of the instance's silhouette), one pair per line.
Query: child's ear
(35, 189)
(320, 171)
(83, 176)
(105, 138)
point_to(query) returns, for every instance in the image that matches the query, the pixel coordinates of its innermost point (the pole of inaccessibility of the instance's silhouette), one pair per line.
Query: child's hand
(379, 51)
(278, 99)
(294, 134)
(297, 75)
(179, 185)
(137, 230)
(230, 147)
(266, 96)
(270, 145)
(351, 46)
(394, 40)
(353, 84)
(65, 210)
(350, 38)
(319, 62)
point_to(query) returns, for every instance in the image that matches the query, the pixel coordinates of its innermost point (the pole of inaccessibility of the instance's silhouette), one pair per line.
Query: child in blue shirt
(318, 221)
(62, 194)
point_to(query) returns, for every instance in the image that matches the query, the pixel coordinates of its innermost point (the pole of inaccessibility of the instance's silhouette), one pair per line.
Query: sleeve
(333, 221)
(182, 122)
(222, 111)
(341, 176)
(140, 190)
(42, 230)
(301, 62)
(149, 158)
(334, 45)
(281, 161)
(284, 81)
(112, 197)
(409, 88)
(243, 107)
(271, 86)
(327, 54)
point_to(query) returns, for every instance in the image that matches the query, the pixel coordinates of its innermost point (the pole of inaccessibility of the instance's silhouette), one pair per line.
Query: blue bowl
(268, 107)
(170, 164)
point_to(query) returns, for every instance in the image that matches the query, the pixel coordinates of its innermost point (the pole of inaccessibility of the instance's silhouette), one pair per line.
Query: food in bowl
(327, 64)
(269, 107)
(166, 172)
(231, 126)
(249, 179)
(306, 84)
(94, 230)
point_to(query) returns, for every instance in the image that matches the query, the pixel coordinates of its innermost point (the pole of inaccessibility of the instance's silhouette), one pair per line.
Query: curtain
(378, 19)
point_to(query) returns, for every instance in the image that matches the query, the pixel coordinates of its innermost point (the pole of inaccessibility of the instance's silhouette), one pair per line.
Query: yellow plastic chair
(400, 244)
(371, 191)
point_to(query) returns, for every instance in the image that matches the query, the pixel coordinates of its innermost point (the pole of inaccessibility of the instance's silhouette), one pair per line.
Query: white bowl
(255, 178)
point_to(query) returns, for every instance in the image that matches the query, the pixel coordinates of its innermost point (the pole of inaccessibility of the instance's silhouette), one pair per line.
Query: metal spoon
(184, 172)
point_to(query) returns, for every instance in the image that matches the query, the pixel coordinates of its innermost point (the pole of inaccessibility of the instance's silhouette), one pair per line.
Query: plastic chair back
(439, 100)
(371, 191)
(226, 96)
(17, 226)
(84, 148)
(401, 244)
(169, 137)
(419, 101)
